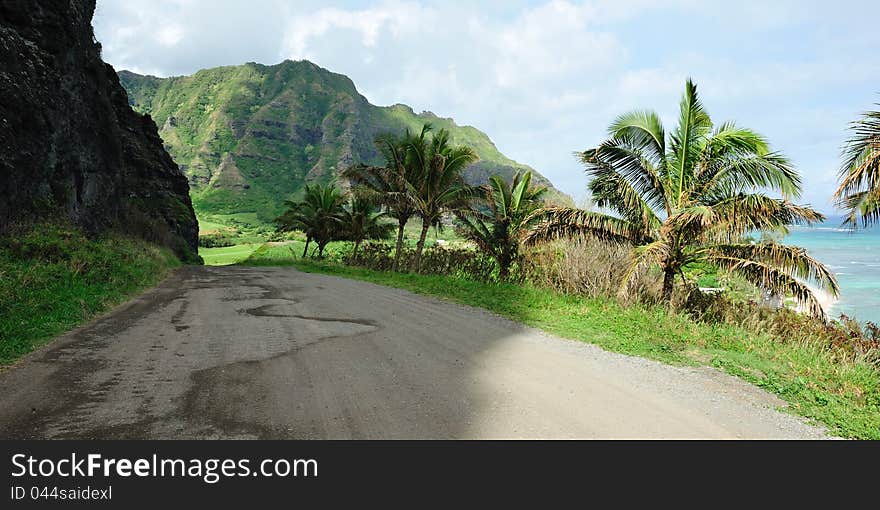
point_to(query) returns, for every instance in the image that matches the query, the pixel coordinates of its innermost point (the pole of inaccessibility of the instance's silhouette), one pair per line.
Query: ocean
(854, 257)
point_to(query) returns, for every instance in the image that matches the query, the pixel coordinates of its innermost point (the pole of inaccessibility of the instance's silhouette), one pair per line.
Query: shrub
(216, 241)
(584, 266)
(845, 335)
(276, 236)
(439, 260)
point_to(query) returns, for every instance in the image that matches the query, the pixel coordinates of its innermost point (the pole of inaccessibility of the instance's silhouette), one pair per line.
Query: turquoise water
(854, 257)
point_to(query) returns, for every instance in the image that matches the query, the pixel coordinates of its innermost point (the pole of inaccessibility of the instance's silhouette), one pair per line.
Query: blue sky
(544, 79)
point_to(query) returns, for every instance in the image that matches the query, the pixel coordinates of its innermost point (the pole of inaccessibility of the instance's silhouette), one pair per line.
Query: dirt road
(236, 352)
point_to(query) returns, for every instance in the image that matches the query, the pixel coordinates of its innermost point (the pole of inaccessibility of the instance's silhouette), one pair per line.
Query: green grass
(275, 254)
(842, 393)
(227, 255)
(210, 226)
(244, 219)
(54, 278)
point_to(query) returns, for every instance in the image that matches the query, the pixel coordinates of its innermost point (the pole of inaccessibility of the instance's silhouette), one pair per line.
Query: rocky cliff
(70, 144)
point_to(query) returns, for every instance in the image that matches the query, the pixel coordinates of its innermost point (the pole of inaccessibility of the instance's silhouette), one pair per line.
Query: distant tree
(501, 217)
(437, 185)
(318, 214)
(859, 190)
(360, 220)
(387, 185)
(691, 196)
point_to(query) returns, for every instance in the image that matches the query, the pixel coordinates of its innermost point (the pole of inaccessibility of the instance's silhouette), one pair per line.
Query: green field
(245, 219)
(818, 383)
(227, 255)
(206, 226)
(250, 239)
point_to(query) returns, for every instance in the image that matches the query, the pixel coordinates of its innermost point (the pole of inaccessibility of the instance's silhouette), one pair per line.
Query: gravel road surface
(239, 352)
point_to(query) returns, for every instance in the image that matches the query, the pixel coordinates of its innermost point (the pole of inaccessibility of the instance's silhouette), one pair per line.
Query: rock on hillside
(70, 144)
(250, 136)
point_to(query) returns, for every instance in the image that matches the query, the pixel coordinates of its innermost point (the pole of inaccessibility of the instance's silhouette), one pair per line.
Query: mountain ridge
(250, 136)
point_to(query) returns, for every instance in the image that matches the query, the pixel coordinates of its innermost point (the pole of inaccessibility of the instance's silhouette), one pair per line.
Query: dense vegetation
(690, 201)
(53, 277)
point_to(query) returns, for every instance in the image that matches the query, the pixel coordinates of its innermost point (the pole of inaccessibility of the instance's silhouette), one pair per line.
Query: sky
(545, 78)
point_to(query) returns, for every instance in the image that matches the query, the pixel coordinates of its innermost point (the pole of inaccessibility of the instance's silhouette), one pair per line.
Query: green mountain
(249, 136)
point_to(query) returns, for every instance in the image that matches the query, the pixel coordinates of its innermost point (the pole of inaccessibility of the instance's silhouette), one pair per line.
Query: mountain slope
(250, 136)
(70, 145)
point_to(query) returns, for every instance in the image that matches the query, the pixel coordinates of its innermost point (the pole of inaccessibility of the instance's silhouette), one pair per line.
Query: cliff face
(70, 144)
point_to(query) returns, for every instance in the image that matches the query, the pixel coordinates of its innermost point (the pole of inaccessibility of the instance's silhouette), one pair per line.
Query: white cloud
(550, 42)
(397, 18)
(170, 35)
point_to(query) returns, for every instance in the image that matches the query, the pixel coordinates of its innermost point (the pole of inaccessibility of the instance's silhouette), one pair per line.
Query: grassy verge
(54, 278)
(818, 383)
(227, 255)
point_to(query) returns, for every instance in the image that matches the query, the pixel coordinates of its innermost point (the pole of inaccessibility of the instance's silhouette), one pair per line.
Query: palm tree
(859, 190)
(692, 196)
(361, 221)
(388, 185)
(317, 214)
(438, 185)
(505, 213)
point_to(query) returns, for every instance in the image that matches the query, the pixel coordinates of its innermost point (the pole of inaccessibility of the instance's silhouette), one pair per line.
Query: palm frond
(766, 276)
(691, 220)
(474, 229)
(641, 258)
(748, 171)
(628, 160)
(688, 141)
(728, 138)
(748, 212)
(863, 208)
(563, 222)
(612, 190)
(645, 130)
(792, 260)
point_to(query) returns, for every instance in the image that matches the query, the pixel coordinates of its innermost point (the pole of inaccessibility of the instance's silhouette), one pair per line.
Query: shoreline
(826, 300)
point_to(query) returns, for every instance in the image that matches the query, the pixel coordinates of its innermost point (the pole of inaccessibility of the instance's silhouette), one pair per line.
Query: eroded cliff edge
(70, 144)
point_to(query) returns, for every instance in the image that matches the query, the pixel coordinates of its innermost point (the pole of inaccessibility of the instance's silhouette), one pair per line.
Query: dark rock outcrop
(70, 144)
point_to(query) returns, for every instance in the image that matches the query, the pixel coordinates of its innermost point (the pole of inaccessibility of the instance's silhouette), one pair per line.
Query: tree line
(689, 195)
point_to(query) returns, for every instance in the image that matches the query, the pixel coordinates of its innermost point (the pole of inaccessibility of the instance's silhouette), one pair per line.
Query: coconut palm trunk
(668, 282)
(306, 249)
(505, 260)
(401, 224)
(420, 246)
